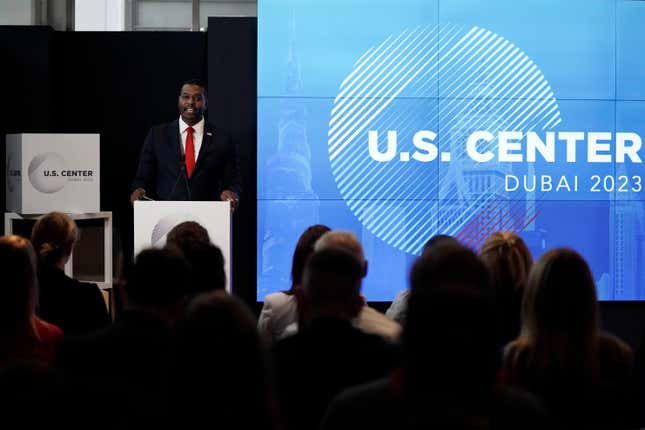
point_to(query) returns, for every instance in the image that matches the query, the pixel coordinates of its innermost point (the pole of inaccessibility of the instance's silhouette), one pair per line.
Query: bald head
(343, 240)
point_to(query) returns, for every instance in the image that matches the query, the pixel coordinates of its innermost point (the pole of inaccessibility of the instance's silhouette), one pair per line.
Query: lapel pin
(209, 133)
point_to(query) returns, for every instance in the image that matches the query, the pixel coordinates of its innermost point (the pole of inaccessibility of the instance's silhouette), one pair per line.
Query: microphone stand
(182, 173)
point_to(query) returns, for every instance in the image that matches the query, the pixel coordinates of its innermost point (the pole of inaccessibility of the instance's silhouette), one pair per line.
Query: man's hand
(137, 194)
(230, 196)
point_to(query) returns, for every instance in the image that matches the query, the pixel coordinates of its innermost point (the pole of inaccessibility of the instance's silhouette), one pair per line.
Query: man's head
(438, 240)
(207, 267)
(344, 240)
(186, 232)
(157, 280)
(192, 101)
(451, 307)
(205, 259)
(332, 284)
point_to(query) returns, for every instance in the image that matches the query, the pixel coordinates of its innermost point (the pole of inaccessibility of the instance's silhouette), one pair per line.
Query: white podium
(53, 172)
(154, 219)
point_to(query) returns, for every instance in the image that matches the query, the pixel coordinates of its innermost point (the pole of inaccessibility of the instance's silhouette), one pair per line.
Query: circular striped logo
(437, 84)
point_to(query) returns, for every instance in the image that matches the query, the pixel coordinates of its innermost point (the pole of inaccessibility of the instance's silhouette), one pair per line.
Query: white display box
(154, 219)
(53, 172)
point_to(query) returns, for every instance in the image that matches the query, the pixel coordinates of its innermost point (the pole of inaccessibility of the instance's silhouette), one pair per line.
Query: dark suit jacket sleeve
(232, 179)
(147, 170)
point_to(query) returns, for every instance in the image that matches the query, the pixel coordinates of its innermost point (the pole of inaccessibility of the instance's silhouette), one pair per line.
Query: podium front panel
(154, 219)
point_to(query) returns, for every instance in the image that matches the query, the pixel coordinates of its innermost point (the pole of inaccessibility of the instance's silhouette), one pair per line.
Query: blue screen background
(589, 51)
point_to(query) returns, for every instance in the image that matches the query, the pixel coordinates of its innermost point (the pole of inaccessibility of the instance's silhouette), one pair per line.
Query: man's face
(191, 104)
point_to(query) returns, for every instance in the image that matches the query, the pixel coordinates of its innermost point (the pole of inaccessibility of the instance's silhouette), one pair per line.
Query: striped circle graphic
(451, 81)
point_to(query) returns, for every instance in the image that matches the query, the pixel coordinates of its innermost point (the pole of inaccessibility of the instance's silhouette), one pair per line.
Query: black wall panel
(232, 72)
(26, 57)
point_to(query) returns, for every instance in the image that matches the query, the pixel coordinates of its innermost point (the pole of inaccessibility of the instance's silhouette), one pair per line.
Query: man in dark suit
(188, 159)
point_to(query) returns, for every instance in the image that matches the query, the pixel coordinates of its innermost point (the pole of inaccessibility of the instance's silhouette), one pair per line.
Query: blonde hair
(508, 259)
(560, 327)
(53, 237)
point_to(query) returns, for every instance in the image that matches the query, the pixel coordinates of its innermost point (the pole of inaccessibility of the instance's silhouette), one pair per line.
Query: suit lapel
(207, 144)
(174, 139)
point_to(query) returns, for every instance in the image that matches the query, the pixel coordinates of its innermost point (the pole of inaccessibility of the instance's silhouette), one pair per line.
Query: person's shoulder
(82, 287)
(211, 126)
(372, 343)
(367, 393)
(48, 332)
(278, 299)
(371, 405)
(515, 353)
(615, 350)
(283, 348)
(219, 132)
(91, 291)
(514, 407)
(372, 321)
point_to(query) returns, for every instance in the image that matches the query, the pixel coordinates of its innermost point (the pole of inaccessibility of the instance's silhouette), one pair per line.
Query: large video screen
(402, 119)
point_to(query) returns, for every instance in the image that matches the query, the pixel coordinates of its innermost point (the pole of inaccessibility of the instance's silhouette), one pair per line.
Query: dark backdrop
(119, 84)
(232, 77)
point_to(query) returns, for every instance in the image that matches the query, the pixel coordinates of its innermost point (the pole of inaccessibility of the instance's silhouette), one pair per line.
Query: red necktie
(190, 152)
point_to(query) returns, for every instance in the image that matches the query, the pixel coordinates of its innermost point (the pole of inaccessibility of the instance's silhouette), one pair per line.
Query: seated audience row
(447, 377)
(569, 374)
(489, 341)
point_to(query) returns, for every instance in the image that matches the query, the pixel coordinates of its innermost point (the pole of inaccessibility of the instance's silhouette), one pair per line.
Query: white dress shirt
(198, 135)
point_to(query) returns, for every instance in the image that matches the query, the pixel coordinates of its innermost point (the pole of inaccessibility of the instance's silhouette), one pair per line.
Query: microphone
(182, 173)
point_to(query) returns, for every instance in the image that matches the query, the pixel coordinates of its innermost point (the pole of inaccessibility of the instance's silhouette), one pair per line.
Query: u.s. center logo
(445, 129)
(48, 173)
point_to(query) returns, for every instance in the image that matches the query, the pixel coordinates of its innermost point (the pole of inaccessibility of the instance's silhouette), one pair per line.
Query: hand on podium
(230, 196)
(137, 194)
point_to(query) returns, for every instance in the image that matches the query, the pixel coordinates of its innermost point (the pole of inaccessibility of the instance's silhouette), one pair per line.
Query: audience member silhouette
(205, 258)
(328, 354)
(448, 373)
(219, 374)
(399, 307)
(369, 319)
(125, 365)
(582, 374)
(280, 309)
(509, 261)
(23, 335)
(185, 232)
(77, 307)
